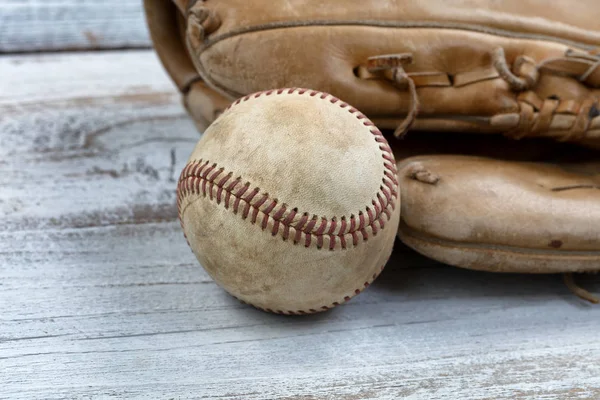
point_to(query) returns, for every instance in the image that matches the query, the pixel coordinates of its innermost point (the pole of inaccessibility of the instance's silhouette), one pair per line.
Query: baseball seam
(201, 177)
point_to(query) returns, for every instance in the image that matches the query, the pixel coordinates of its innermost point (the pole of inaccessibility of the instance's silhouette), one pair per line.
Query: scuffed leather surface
(249, 46)
(325, 58)
(562, 18)
(508, 216)
(161, 18)
(313, 156)
(167, 29)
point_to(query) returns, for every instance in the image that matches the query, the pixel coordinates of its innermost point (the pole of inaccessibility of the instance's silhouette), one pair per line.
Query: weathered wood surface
(101, 298)
(40, 25)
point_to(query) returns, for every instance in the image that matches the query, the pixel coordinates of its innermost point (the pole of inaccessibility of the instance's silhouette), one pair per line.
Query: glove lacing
(401, 80)
(536, 115)
(579, 291)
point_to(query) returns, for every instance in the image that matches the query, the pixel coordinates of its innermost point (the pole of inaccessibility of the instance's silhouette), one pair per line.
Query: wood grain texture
(38, 25)
(101, 298)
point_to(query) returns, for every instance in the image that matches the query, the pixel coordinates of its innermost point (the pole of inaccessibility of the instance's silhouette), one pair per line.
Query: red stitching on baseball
(352, 223)
(342, 241)
(275, 228)
(288, 220)
(343, 227)
(388, 213)
(364, 232)
(307, 241)
(196, 172)
(354, 239)
(246, 211)
(392, 177)
(254, 215)
(333, 226)
(261, 201)
(361, 219)
(375, 229)
(280, 213)
(204, 187)
(388, 188)
(242, 190)
(381, 222)
(310, 225)
(319, 242)
(332, 242)
(370, 214)
(236, 204)
(322, 227)
(286, 232)
(381, 201)
(270, 207)
(300, 224)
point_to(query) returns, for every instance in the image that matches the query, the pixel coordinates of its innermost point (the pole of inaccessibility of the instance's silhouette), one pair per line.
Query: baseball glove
(518, 68)
(531, 208)
(521, 68)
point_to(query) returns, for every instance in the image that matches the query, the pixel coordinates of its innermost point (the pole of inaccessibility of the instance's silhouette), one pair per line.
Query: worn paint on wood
(100, 296)
(38, 25)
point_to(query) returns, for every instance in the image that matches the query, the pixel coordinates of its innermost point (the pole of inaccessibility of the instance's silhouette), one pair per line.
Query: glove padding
(499, 213)
(514, 67)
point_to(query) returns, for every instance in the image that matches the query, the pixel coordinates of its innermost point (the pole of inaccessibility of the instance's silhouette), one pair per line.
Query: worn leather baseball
(290, 201)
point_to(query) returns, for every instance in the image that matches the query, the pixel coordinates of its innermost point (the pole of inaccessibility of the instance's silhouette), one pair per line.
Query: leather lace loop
(579, 291)
(536, 116)
(400, 79)
(524, 74)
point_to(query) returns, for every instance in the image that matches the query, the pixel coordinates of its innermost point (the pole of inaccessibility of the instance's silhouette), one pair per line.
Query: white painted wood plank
(112, 138)
(100, 296)
(33, 79)
(127, 320)
(37, 25)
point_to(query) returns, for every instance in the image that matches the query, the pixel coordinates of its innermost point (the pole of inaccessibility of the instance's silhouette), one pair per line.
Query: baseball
(290, 201)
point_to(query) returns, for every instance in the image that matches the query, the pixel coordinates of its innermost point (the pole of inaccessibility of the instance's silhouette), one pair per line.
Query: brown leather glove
(531, 208)
(516, 67)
